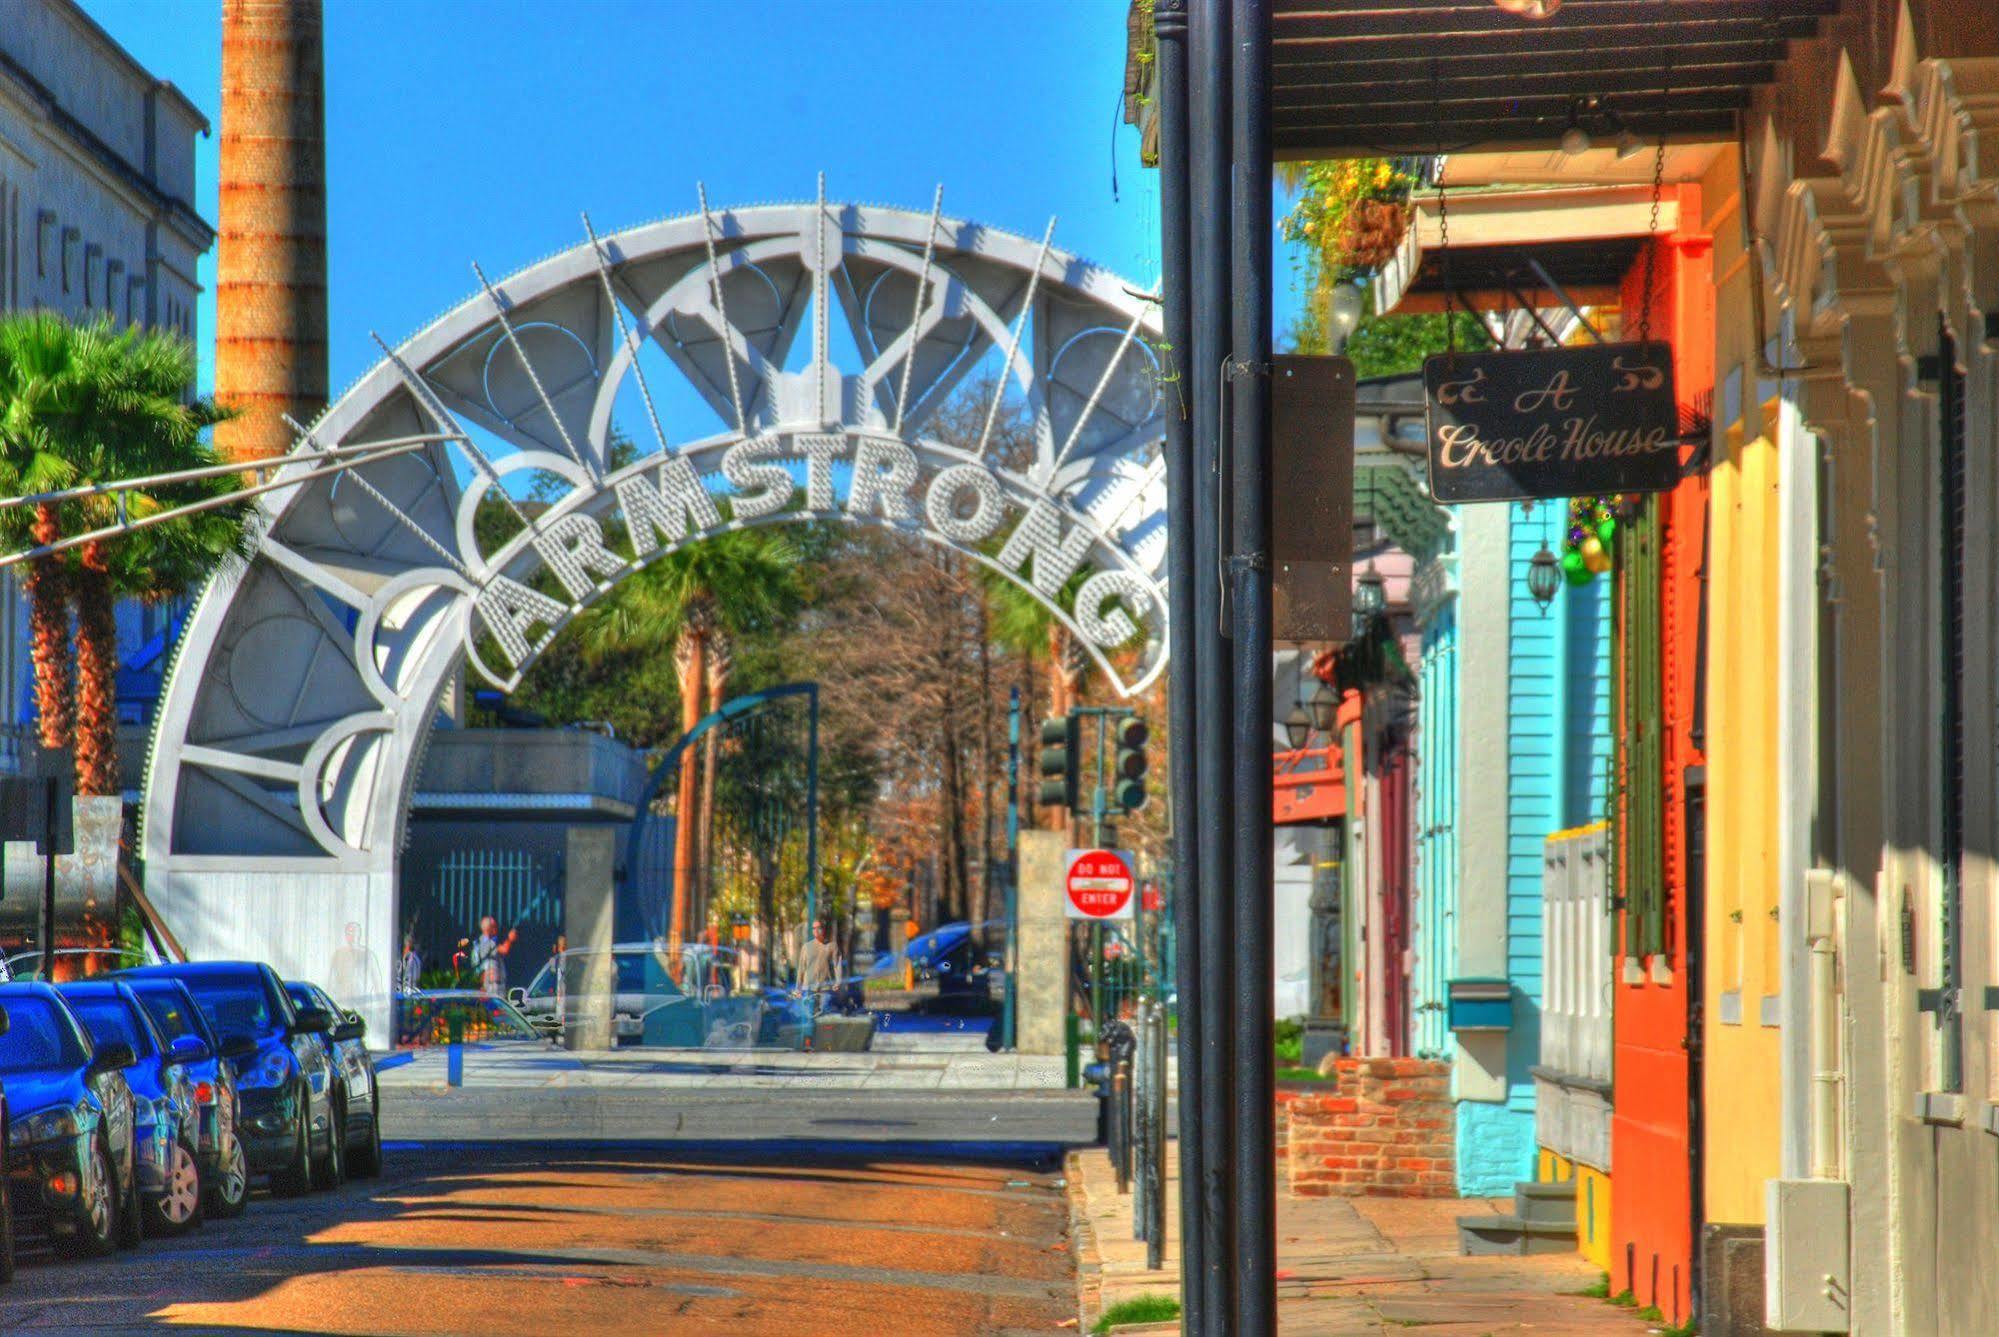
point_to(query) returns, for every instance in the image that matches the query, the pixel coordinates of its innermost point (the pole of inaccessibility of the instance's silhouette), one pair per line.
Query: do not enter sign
(1100, 884)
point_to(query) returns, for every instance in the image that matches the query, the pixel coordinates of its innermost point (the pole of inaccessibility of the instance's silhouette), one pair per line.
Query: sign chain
(1658, 185)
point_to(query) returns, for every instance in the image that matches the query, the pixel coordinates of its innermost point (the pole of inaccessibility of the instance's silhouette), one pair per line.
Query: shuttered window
(1946, 1001)
(1639, 817)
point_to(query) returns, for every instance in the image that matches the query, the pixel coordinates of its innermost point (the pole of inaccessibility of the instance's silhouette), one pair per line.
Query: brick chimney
(270, 292)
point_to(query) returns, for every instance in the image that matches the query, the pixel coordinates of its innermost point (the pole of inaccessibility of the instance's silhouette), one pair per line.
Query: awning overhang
(1392, 78)
(1546, 247)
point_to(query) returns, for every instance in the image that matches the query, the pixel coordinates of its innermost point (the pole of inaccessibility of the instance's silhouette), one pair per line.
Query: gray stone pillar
(589, 902)
(1041, 989)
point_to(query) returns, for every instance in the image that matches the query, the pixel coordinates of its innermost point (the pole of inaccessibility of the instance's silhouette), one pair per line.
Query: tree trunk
(96, 676)
(988, 763)
(1054, 819)
(48, 622)
(720, 660)
(691, 657)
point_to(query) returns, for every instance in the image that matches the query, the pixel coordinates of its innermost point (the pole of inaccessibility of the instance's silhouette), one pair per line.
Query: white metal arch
(307, 680)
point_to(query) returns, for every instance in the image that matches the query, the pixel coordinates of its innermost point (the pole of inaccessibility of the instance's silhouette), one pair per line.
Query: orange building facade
(1659, 645)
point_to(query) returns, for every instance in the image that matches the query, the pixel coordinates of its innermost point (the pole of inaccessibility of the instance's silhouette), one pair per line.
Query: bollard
(1121, 1105)
(454, 1053)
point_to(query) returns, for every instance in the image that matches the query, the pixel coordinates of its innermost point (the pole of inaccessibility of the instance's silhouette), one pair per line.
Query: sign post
(1535, 424)
(1099, 885)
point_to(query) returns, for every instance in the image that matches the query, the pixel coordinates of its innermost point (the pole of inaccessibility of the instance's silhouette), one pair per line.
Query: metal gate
(520, 888)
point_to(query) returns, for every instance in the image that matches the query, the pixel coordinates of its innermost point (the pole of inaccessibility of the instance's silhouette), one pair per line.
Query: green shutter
(1640, 832)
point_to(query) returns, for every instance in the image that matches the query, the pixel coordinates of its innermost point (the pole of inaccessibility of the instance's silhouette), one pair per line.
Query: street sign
(1541, 423)
(1100, 885)
(1152, 898)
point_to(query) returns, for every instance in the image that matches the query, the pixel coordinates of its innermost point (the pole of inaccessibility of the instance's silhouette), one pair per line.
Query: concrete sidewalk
(1350, 1266)
(932, 1063)
(919, 1093)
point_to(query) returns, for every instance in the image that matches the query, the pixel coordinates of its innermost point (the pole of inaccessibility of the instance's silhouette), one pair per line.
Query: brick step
(1511, 1235)
(1552, 1203)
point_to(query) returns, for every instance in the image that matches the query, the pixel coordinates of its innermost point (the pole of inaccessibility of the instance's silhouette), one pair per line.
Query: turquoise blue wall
(1437, 773)
(1558, 739)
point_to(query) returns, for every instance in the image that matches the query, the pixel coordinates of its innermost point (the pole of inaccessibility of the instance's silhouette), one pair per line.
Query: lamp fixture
(1298, 728)
(1370, 593)
(1325, 708)
(1575, 139)
(1346, 308)
(1544, 578)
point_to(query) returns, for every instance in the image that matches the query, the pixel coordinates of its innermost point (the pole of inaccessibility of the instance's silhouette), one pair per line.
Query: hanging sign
(1100, 884)
(1552, 422)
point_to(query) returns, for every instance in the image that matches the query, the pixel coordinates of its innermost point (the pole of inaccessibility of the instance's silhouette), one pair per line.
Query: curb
(1089, 1263)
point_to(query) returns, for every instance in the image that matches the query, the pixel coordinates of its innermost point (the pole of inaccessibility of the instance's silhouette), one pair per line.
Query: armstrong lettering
(665, 501)
(1547, 423)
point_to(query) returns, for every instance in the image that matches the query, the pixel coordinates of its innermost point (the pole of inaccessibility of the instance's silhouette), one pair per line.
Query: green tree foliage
(92, 403)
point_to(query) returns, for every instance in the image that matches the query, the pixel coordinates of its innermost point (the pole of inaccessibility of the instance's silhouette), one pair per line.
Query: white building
(96, 216)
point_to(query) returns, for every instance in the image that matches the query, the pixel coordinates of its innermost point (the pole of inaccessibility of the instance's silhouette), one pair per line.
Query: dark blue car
(70, 1156)
(166, 1128)
(356, 1098)
(225, 1170)
(284, 1081)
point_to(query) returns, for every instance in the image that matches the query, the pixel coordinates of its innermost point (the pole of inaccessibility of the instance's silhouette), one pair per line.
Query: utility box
(1480, 1005)
(1808, 1273)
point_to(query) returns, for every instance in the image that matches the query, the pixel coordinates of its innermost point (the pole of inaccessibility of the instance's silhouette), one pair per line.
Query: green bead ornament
(1606, 530)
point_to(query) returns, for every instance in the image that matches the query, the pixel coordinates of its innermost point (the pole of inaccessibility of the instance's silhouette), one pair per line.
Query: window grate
(1951, 471)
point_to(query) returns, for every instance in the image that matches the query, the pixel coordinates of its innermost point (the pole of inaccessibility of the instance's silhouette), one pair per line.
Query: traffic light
(1131, 762)
(1060, 751)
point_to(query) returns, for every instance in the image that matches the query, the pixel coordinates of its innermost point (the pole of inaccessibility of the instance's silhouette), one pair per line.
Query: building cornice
(169, 208)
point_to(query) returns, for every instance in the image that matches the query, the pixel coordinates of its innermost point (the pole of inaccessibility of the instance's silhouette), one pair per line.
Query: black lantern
(1298, 728)
(1370, 596)
(1325, 707)
(1544, 578)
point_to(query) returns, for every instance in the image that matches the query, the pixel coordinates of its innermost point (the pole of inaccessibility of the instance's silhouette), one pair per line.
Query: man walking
(818, 965)
(489, 955)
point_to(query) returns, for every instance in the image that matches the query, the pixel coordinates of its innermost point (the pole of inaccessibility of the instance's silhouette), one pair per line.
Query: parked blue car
(284, 1082)
(166, 1128)
(356, 1098)
(225, 1170)
(70, 1155)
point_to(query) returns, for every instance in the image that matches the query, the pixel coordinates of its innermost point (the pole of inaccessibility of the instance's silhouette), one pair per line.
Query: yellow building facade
(1741, 1088)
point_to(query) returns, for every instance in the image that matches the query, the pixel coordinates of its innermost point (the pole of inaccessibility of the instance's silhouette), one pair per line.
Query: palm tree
(92, 403)
(1021, 622)
(735, 582)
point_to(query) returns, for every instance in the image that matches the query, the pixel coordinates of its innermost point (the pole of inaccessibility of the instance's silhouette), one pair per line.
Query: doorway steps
(1543, 1220)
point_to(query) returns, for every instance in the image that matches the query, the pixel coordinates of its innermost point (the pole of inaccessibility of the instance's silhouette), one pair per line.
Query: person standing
(818, 964)
(489, 955)
(409, 972)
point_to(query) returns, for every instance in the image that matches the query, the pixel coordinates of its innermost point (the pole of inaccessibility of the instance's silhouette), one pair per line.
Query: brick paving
(1351, 1266)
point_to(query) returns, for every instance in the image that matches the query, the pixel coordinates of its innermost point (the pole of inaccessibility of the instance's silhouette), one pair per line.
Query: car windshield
(234, 1007)
(108, 1020)
(39, 1036)
(169, 1013)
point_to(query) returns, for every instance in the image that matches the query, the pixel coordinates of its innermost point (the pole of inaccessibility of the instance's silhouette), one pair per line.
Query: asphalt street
(494, 1240)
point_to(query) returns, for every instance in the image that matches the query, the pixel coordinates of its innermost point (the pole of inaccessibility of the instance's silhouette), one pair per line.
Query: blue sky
(461, 131)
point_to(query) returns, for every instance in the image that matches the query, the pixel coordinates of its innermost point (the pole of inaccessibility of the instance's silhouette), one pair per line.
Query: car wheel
(229, 1194)
(330, 1171)
(296, 1176)
(95, 1228)
(367, 1162)
(178, 1210)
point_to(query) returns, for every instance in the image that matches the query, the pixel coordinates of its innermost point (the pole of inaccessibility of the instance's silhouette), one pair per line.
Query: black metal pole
(51, 795)
(1249, 580)
(1169, 26)
(1208, 243)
